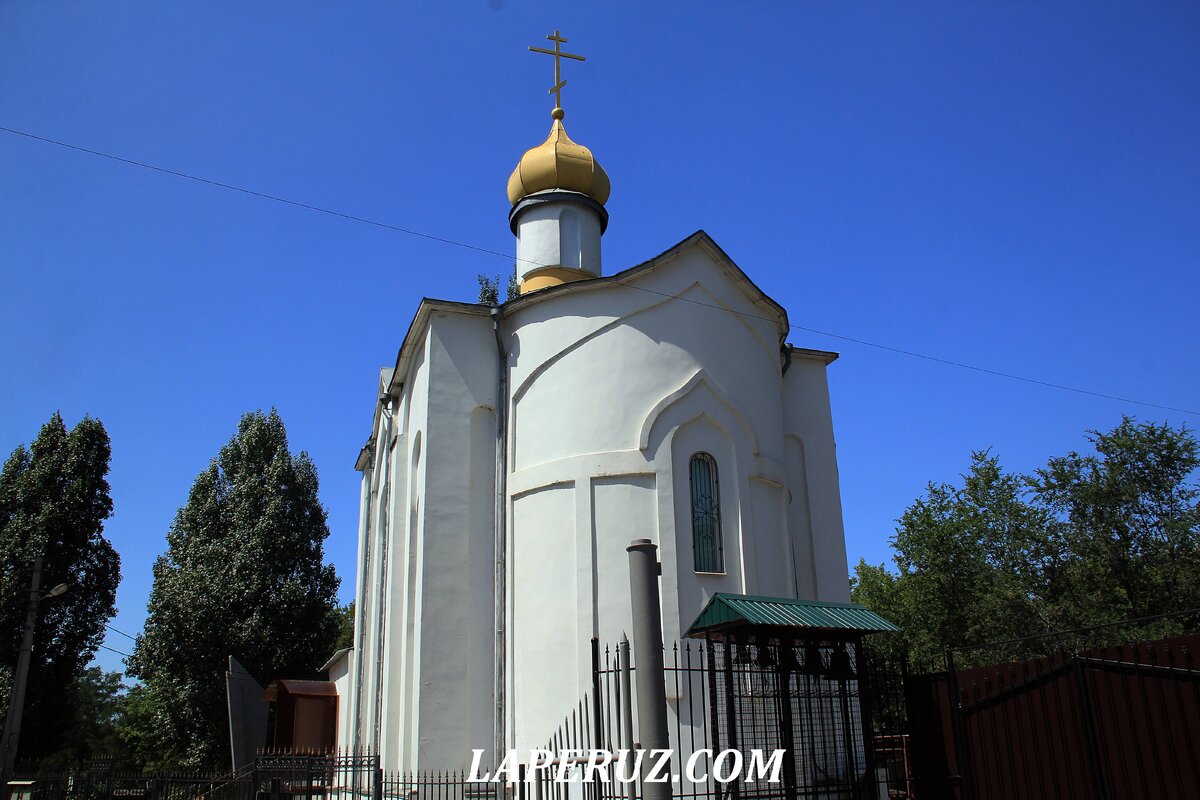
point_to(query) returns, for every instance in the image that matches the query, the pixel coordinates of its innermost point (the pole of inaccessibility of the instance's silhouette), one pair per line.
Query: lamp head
(57, 590)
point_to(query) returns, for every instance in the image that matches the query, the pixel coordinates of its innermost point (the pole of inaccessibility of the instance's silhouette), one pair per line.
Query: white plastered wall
(613, 391)
(815, 511)
(429, 620)
(558, 234)
(455, 622)
(339, 674)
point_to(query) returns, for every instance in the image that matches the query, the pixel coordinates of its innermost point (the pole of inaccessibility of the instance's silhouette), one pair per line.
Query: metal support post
(644, 570)
(16, 706)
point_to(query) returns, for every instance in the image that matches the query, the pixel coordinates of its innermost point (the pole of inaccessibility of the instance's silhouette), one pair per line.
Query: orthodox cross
(558, 53)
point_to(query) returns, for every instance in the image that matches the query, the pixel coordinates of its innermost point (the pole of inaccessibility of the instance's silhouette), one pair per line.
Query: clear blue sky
(1013, 185)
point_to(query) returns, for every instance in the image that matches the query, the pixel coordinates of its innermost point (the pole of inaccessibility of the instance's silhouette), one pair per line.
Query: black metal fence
(823, 702)
(447, 785)
(272, 776)
(101, 780)
(1115, 722)
(1111, 722)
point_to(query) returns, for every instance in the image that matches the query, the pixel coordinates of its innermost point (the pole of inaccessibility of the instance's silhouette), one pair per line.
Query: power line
(253, 193)
(934, 359)
(485, 250)
(111, 650)
(123, 633)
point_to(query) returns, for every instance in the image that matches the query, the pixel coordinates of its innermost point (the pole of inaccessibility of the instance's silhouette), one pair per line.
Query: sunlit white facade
(576, 413)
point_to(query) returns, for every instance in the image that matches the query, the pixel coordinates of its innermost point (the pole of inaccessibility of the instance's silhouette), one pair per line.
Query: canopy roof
(732, 612)
(302, 688)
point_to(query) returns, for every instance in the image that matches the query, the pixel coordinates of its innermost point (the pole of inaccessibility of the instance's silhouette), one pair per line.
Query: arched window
(706, 514)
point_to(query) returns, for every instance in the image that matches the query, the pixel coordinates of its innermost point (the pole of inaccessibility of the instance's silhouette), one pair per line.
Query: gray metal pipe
(360, 609)
(385, 534)
(500, 545)
(644, 570)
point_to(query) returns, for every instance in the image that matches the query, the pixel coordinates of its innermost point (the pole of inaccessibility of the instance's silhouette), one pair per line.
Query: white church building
(515, 450)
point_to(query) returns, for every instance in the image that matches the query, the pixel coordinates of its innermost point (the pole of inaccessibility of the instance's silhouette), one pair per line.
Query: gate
(1114, 723)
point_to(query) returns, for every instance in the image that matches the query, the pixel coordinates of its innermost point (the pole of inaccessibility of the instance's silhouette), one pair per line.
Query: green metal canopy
(726, 612)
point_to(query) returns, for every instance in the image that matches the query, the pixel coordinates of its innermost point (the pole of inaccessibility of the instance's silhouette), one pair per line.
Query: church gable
(592, 365)
(754, 301)
(760, 304)
(518, 447)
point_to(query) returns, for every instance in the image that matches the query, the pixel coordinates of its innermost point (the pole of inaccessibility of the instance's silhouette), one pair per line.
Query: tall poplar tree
(54, 498)
(243, 576)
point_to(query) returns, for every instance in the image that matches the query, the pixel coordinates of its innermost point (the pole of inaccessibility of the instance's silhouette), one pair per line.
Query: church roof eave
(826, 357)
(364, 454)
(416, 330)
(335, 658)
(698, 239)
(386, 375)
(392, 378)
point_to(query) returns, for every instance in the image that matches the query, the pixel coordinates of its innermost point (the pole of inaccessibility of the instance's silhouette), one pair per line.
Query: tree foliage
(54, 498)
(243, 575)
(489, 288)
(94, 714)
(1089, 539)
(345, 615)
(143, 717)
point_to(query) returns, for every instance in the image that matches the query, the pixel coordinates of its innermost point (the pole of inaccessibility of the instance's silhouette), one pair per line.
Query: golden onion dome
(558, 163)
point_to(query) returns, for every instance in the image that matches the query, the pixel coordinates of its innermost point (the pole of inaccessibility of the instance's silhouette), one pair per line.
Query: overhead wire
(935, 359)
(123, 633)
(251, 192)
(488, 251)
(112, 650)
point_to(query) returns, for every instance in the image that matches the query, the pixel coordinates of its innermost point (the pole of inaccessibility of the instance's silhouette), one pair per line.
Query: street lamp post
(16, 705)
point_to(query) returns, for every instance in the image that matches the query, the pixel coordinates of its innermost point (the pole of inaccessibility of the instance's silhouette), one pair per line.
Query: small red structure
(305, 715)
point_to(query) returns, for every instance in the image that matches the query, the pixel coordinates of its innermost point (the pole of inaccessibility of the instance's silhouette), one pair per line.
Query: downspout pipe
(500, 674)
(384, 517)
(360, 609)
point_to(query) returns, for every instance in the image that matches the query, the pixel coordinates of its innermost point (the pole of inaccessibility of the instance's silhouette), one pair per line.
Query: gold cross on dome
(558, 53)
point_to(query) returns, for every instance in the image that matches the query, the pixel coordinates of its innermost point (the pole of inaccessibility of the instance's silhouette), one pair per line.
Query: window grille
(706, 514)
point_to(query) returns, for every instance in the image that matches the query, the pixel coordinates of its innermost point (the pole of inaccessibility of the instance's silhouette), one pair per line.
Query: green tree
(489, 288)
(514, 286)
(94, 712)
(54, 498)
(1088, 539)
(143, 717)
(1126, 525)
(243, 575)
(961, 563)
(345, 616)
